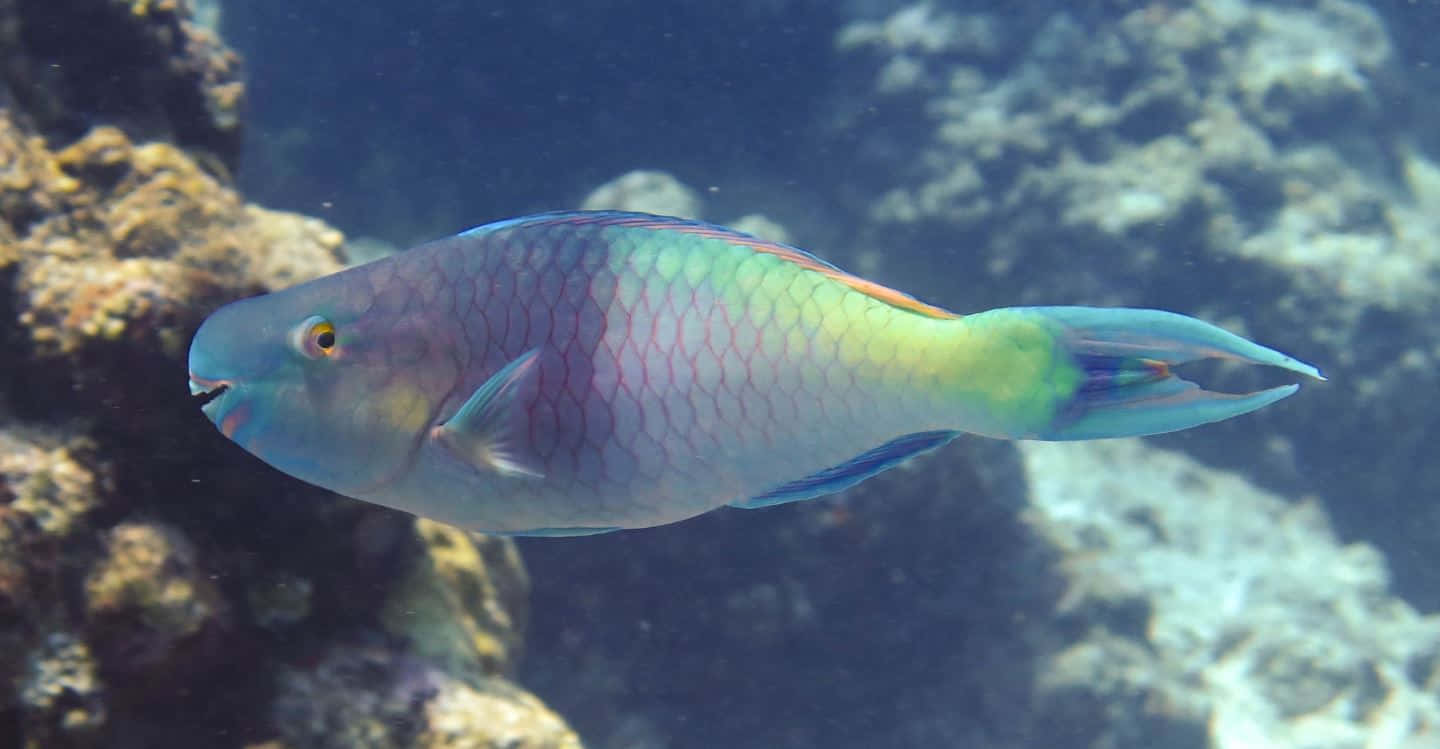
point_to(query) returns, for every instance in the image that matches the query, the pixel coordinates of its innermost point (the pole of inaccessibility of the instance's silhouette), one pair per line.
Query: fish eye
(315, 337)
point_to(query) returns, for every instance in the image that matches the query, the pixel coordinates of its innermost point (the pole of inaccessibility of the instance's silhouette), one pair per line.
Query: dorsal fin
(892, 297)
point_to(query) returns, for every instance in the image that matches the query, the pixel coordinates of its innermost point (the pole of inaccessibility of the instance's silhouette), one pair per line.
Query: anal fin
(851, 472)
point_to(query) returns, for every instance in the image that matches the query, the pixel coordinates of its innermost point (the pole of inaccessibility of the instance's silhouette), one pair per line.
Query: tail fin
(1126, 387)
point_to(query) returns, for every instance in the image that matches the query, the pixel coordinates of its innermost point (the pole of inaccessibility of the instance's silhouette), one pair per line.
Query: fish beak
(205, 390)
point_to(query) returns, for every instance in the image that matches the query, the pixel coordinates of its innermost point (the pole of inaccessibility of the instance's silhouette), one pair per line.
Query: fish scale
(677, 295)
(665, 302)
(587, 371)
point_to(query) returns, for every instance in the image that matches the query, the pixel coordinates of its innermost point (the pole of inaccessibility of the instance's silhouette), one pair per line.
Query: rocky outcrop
(152, 592)
(1255, 164)
(141, 65)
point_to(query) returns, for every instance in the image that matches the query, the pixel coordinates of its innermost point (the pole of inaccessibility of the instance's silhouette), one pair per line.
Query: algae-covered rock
(356, 697)
(130, 257)
(158, 587)
(462, 601)
(50, 488)
(116, 252)
(909, 611)
(1251, 163)
(1210, 609)
(490, 714)
(141, 65)
(147, 595)
(44, 486)
(60, 693)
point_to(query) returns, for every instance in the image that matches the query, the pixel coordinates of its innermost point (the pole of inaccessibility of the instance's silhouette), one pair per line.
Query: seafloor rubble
(153, 591)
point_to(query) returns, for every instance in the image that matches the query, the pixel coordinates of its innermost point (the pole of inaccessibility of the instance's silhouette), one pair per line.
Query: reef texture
(912, 610)
(141, 65)
(1209, 612)
(645, 191)
(156, 588)
(1257, 164)
(1107, 594)
(1263, 165)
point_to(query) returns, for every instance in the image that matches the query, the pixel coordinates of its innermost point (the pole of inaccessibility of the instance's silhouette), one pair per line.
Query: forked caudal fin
(1126, 387)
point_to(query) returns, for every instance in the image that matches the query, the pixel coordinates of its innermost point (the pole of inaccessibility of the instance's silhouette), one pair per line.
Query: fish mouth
(206, 391)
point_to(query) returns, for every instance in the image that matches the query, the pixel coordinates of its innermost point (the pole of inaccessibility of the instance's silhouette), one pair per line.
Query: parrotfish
(581, 372)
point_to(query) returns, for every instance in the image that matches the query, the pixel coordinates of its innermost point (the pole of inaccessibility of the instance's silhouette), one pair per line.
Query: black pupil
(326, 339)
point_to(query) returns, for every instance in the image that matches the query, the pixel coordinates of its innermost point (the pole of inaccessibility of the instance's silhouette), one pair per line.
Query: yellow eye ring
(315, 337)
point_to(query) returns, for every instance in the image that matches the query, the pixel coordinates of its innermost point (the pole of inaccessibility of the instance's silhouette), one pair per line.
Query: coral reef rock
(146, 595)
(911, 610)
(1250, 163)
(647, 192)
(120, 244)
(158, 587)
(356, 698)
(1211, 609)
(142, 65)
(463, 601)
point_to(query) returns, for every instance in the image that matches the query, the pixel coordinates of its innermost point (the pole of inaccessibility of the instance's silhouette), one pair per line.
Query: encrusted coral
(42, 484)
(141, 65)
(60, 693)
(1252, 163)
(150, 236)
(490, 714)
(1204, 126)
(147, 593)
(153, 583)
(357, 697)
(1206, 601)
(463, 601)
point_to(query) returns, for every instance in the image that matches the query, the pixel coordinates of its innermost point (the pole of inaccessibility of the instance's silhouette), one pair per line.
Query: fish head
(319, 381)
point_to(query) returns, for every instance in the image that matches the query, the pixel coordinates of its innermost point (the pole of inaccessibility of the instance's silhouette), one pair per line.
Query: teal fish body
(582, 372)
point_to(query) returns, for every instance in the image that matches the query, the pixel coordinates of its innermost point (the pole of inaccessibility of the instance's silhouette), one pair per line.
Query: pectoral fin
(482, 432)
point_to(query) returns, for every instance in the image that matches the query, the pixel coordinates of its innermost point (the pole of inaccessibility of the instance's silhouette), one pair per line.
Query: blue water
(1270, 166)
(766, 629)
(456, 113)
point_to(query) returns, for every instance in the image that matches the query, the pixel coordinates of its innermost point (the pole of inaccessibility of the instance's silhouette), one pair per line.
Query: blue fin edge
(851, 472)
(556, 532)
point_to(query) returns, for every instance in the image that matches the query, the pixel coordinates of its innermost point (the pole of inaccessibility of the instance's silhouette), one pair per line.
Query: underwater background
(1269, 581)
